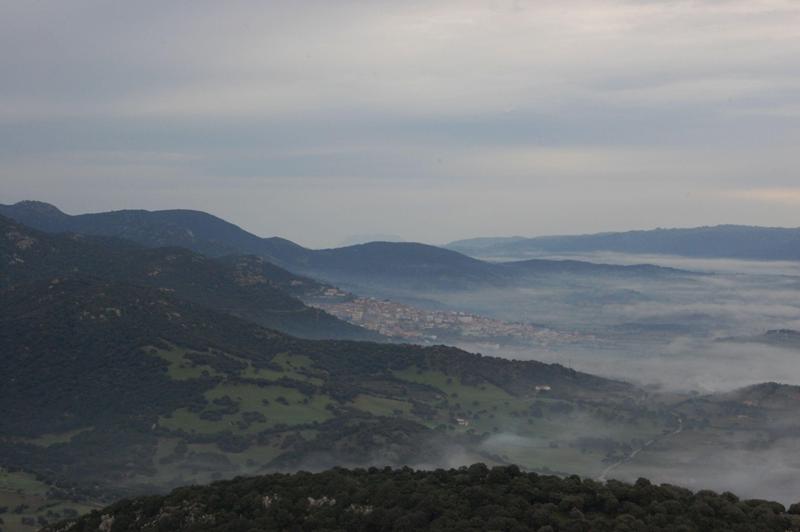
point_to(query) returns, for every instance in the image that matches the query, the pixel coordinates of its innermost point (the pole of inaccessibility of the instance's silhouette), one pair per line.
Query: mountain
(474, 498)
(212, 236)
(771, 396)
(128, 370)
(353, 240)
(480, 243)
(722, 241)
(245, 286)
(424, 266)
(787, 338)
(110, 389)
(413, 265)
(377, 264)
(194, 230)
(534, 267)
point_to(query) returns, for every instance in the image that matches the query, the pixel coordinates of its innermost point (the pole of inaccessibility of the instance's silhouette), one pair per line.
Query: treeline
(474, 498)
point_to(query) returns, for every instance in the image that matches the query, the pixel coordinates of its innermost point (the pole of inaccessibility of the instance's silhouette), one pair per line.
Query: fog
(683, 366)
(691, 335)
(669, 330)
(747, 462)
(772, 473)
(715, 265)
(732, 304)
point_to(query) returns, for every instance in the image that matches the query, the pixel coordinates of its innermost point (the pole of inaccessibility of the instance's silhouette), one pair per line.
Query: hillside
(111, 389)
(248, 287)
(721, 241)
(474, 498)
(770, 396)
(400, 265)
(194, 230)
(786, 338)
(212, 236)
(532, 267)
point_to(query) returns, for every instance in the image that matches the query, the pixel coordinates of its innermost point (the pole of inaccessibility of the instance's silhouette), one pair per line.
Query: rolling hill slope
(248, 287)
(194, 230)
(110, 389)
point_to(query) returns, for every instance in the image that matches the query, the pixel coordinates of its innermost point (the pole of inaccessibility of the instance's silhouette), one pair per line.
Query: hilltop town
(413, 324)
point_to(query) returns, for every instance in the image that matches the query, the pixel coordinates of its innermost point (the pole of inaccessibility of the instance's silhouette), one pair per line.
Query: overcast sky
(430, 120)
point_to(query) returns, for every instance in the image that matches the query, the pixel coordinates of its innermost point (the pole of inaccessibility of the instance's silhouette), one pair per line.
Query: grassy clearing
(21, 483)
(22, 489)
(187, 421)
(544, 441)
(453, 387)
(285, 405)
(567, 460)
(486, 407)
(381, 406)
(172, 469)
(180, 368)
(46, 440)
(295, 367)
(277, 404)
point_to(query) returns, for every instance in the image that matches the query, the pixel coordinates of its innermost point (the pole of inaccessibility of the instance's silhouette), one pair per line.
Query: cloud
(785, 196)
(452, 99)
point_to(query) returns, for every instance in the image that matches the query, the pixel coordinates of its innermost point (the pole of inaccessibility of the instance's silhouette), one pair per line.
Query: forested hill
(245, 286)
(78, 351)
(473, 498)
(388, 265)
(199, 231)
(787, 338)
(109, 388)
(721, 241)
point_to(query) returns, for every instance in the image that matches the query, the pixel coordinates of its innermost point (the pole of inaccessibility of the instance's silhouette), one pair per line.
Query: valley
(450, 266)
(131, 370)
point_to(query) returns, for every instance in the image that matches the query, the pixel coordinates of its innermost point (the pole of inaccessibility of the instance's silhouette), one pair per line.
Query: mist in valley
(672, 330)
(249, 238)
(694, 333)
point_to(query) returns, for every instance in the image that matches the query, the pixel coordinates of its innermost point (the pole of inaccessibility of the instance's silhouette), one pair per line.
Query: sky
(433, 121)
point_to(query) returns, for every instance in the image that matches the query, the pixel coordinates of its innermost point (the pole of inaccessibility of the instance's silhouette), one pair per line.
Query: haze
(317, 121)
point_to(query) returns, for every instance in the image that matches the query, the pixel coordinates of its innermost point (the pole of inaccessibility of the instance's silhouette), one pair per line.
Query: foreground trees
(470, 498)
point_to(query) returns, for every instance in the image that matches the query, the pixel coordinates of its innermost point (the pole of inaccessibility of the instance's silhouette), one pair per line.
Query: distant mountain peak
(783, 333)
(718, 241)
(353, 240)
(40, 207)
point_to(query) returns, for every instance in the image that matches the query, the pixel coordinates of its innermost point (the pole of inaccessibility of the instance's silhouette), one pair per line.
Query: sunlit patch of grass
(295, 367)
(21, 482)
(23, 489)
(453, 386)
(277, 405)
(381, 406)
(181, 368)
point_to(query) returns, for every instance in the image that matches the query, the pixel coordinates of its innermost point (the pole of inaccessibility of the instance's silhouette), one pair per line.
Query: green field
(381, 406)
(24, 500)
(277, 405)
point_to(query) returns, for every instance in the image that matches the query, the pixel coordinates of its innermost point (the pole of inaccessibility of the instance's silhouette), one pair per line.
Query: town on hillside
(412, 324)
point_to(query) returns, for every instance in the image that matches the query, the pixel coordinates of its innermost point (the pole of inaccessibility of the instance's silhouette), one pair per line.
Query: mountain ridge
(248, 287)
(717, 241)
(405, 264)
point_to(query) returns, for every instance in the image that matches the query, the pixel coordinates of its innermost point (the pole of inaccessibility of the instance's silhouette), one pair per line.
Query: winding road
(604, 475)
